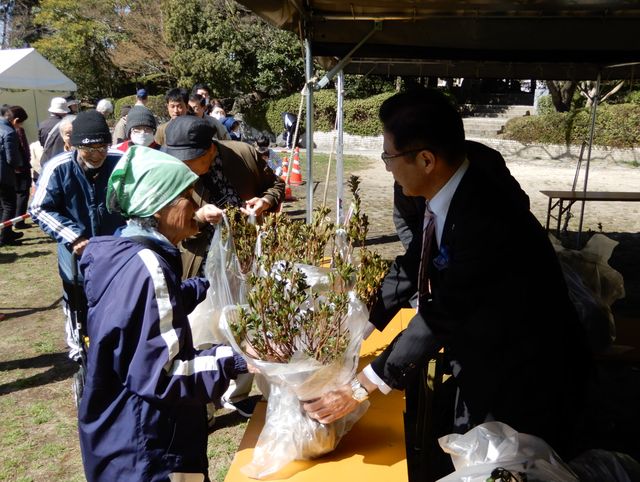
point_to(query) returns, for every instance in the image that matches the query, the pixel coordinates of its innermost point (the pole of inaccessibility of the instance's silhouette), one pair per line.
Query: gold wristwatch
(358, 392)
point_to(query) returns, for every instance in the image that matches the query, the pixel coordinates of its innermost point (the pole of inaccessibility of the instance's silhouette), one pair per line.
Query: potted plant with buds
(301, 324)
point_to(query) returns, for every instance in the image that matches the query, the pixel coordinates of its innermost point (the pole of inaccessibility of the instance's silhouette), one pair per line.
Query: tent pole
(35, 105)
(340, 148)
(309, 133)
(594, 107)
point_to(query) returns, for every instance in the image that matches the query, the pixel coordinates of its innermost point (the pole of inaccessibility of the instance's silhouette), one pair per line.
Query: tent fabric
(29, 80)
(543, 39)
(26, 69)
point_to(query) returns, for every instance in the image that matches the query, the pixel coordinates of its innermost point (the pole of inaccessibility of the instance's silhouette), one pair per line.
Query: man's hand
(78, 246)
(332, 405)
(255, 206)
(209, 213)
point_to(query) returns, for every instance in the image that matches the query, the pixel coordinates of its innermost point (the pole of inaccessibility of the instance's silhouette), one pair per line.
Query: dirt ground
(533, 176)
(617, 220)
(38, 438)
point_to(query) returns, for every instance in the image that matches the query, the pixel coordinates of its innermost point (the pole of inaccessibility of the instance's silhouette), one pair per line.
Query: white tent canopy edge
(29, 80)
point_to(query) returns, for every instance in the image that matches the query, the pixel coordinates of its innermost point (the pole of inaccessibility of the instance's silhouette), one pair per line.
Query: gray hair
(148, 223)
(105, 107)
(68, 119)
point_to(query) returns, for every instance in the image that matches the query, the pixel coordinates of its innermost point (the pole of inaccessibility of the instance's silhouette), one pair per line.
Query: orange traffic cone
(288, 195)
(295, 177)
(285, 167)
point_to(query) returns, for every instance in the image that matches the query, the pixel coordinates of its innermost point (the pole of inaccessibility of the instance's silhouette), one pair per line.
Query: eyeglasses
(142, 130)
(386, 158)
(91, 150)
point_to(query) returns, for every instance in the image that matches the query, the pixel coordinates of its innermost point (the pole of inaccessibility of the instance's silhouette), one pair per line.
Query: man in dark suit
(491, 292)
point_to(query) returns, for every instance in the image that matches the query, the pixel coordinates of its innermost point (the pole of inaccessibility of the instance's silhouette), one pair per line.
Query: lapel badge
(442, 260)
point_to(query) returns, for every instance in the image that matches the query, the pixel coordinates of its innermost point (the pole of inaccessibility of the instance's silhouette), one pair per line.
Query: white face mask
(218, 113)
(142, 138)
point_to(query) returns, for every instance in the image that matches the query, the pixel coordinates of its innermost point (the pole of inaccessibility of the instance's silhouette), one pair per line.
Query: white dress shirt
(439, 206)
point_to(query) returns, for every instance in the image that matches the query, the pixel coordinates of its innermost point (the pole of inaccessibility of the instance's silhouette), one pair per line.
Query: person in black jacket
(491, 292)
(23, 174)
(10, 164)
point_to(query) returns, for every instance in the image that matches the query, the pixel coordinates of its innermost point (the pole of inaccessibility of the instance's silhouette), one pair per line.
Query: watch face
(360, 394)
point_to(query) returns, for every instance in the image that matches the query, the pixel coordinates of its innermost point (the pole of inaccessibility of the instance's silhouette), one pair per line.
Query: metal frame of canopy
(579, 40)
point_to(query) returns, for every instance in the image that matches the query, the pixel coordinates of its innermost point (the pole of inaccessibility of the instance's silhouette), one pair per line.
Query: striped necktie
(428, 238)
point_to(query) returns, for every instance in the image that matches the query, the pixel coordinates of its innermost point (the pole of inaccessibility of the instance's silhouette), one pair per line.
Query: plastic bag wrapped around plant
(490, 445)
(289, 433)
(228, 286)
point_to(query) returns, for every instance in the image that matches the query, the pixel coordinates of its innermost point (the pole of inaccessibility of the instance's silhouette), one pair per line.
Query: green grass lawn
(321, 161)
(38, 428)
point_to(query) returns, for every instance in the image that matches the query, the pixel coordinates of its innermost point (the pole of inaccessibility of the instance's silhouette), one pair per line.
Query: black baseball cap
(187, 137)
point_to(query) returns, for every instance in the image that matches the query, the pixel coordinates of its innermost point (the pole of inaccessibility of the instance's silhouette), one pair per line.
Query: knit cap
(138, 116)
(90, 127)
(145, 180)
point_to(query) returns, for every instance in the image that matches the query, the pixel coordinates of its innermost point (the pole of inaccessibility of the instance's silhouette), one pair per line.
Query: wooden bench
(563, 200)
(374, 449)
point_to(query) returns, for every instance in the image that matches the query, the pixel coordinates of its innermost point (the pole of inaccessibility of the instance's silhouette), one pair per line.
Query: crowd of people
(133, 217)
(196, 170)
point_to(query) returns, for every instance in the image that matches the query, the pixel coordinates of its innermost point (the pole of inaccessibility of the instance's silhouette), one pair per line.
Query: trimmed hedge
(360, 115)
(545, 105)
(155, 103)
(616, 126)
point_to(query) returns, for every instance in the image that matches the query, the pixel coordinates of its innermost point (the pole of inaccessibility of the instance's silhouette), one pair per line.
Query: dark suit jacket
(408, 211)
(499, 307)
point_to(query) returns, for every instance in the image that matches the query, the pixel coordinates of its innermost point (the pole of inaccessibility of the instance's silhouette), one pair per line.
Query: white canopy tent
(29, 80)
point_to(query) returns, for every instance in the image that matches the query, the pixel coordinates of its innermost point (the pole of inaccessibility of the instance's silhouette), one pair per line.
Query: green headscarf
(145, 180)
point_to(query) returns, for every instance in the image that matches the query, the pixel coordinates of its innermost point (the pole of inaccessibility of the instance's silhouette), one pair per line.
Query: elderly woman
(142, 416)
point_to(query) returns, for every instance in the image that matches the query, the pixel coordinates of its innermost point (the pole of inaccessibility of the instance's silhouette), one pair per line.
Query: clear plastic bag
(227, 287)
(289, 433)
(494, 444)
(597, 465)
(593, 286)
(204, 327)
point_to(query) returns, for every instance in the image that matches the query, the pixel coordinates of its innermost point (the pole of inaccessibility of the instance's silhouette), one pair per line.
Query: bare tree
(587, 89)
(141, 49)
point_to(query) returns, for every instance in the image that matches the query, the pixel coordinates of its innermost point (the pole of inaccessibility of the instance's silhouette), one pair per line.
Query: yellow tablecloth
(372, 451)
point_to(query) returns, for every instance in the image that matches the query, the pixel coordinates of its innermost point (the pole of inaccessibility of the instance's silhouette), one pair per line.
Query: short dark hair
(176, 95)
(424, 118)
(5, 112)
(200, 99)
(262, 141)
(199, 86)
(19, 113)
